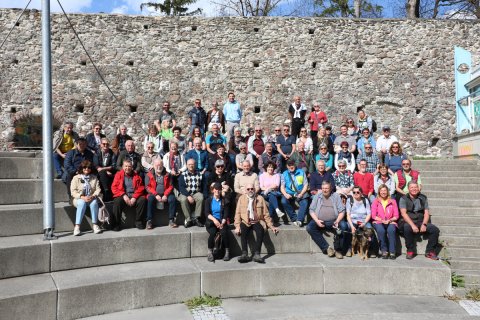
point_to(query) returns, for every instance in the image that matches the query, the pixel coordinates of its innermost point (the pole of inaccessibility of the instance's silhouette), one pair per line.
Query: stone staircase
(453, 190)
(75, 277)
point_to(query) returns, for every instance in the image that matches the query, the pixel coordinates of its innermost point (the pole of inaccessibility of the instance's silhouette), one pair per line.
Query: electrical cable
(15, 24)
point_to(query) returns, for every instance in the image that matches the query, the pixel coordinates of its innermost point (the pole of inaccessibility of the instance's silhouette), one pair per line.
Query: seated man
(415, 218)
(327, 211)
(63, 141)
(245, 177)
(73, 159)
(269, 156)
(130, 154)
(364, 179)
(317, 178)
(160, 190)
(294, 186)
(371, 158)
(199, 155)
(403, 177)
(128, 191)
(191, 185)
(303, 160)
(252, 214)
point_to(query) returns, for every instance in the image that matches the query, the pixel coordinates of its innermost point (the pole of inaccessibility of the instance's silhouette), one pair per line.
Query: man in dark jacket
(197, 117)
(191, 185)
(105, 162)
(317, 178)
(130, 154)
(73, 159)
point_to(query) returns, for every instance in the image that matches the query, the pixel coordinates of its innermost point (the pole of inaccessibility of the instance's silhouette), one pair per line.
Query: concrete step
(442, 162)
(472, 277)
(453, 194)
(459, 252)
(31, 297)
(440, 179)
(462, 203)
(21, 168)
(20, 154)
(29, 254)
(450, 174)
(465, 263)
(460, 240)
(450, 187)
(460, 230)
(457, 221)
(440, 169)
(144, 284)
(453, 211)
(25, 191)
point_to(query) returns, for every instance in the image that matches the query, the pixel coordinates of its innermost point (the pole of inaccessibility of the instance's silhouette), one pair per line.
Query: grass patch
(458, 281)
(205, 300)
(473, 294)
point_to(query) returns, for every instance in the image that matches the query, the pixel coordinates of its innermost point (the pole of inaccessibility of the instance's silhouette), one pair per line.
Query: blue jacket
(316, 180)
(192, 154)
(74, 158)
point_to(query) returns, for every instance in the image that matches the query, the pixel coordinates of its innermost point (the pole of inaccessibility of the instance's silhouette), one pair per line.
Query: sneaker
(117, 228)
(431, 255)
(172, 224)
(188, 224)
(76, 230)
(385, 255)
(139, 226)
(410, 255)
(279, 213)
(257, 258)
(393, 256)
(243, 258)
(149, 225)
(210, 257)
(96, 229)
(226, 257)
(330, 252)
(349, 253)
(298, 223)
(338, 255)
(59, 175)
(198, 223)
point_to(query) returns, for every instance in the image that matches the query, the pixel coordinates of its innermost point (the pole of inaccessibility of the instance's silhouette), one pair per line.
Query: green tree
(346, 8)
(172, 7)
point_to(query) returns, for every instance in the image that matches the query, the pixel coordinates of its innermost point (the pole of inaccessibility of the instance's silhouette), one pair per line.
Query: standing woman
(323, 138)
(384, 217)
(215, 116)
(317, 120)
(85, 189)
(307, 141)
(352, 129)
(394, 157)
(216, 221)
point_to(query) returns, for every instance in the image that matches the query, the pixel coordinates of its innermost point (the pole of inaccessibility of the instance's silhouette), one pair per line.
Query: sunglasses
(258, 130)
(286, 130)
(98, 128)
(149, 147)
(104, 144)
(278, 130)
(323, 148)
(342, 166)
(250, 189)
(220, 166)
(349, 121)
(356, 192)
(368, 148)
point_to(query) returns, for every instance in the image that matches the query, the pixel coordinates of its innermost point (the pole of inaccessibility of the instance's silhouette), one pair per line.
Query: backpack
(364, 200)
(374, 126)
(218, 249)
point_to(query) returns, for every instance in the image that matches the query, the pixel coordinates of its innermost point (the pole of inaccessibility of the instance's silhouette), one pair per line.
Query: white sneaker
(279, 213)
(76, 231)
(298, 223)
(96, 229)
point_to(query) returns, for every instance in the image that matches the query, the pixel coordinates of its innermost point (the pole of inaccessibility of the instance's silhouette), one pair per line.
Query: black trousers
(119, 206)
(432, 232)
(212, 231)
(245, 232)
(106, 184)
(297, 124)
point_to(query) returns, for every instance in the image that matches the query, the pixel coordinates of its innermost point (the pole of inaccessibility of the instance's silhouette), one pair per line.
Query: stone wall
(401, 71)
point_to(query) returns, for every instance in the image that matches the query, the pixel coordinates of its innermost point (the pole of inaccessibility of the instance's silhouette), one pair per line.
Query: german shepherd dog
(361, 239)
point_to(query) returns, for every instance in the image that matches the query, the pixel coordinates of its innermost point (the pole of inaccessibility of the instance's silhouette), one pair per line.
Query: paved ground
(308, 307)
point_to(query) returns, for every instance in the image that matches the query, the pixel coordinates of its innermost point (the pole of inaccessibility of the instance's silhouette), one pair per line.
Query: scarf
(86, 186)
(345, 155)
(252, 217)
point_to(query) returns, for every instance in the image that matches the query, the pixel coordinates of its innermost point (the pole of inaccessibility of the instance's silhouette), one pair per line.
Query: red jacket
(118, 189)
(152, 184)
(365, 181)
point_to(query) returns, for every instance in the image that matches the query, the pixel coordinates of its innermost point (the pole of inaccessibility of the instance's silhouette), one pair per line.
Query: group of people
(340, 183)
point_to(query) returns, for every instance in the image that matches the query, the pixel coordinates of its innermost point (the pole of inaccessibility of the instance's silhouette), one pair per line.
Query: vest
(402, 181)
(416, 216)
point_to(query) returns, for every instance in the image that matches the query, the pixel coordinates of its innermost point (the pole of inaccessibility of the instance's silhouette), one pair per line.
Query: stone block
(130, 245)
(281, 274)
(24, 255)
(20, 168)
(30, 297)
(377, 276)
(108, 289)
(19, 191)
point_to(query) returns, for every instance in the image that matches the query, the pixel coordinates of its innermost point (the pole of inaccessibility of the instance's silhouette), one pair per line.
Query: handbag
(103, 213)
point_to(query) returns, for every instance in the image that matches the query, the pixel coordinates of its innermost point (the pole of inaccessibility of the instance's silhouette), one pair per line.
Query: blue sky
(133, 6)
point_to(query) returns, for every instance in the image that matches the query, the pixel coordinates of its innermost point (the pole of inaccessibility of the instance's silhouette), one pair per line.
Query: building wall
(400, 70)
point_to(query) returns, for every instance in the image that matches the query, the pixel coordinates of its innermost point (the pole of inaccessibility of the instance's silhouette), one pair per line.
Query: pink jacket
(390, 211)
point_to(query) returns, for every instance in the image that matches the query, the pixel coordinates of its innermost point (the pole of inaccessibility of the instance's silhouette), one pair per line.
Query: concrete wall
(405, 79)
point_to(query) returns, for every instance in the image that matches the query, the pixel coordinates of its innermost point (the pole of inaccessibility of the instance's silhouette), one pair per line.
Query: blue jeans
(82, 207)
(172, 206)
(57, 163)
(288, 206)
(316, 233)
(386, 233)
(344, 225)
(272, 199)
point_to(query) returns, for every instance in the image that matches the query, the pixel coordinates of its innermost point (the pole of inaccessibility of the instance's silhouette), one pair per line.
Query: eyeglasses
(98, 128)
(356, 192)
(286, 130)
(405, 164)
(349, 121)
(278, 130)
(323, 148)
(149, 147)
(342, 166)
(220, 166)
(197, 102)
(366, 148)
(104, 144)
(258, 130)
(250, 189)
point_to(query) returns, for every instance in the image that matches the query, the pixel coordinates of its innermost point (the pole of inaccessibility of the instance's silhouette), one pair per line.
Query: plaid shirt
(372, 161)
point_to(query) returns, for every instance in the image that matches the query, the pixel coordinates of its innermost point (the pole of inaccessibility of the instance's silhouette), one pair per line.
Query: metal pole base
(49, 235)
